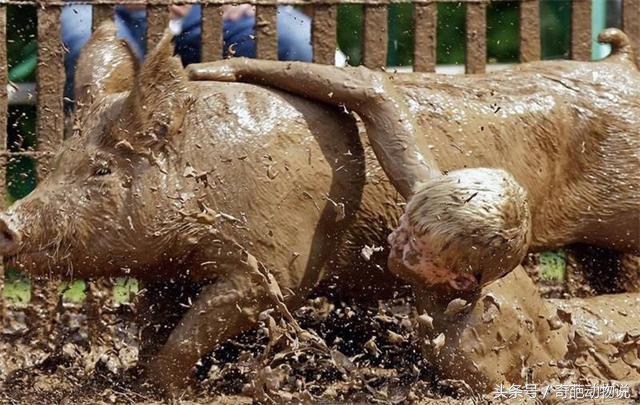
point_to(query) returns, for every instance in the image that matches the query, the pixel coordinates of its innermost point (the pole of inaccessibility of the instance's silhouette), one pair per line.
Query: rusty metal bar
(581, 29)
(211, 44)
(98, 307)
(157, 22)
(266, 32)
(3, 136)
(374, 48)
(42, 310)
(324, 34)
(530, 47)
(50, 77)
(631, 23)
(476, 32)
(100, 13)
(425, 22)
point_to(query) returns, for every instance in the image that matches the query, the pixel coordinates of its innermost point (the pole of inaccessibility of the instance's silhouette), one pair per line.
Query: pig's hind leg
(221, 311)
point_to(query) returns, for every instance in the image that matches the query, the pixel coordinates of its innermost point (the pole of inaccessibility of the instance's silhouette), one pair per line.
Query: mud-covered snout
(9, 237)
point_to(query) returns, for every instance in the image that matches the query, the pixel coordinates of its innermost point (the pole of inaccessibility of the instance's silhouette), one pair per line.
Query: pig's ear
(106, 66)
(160, 98)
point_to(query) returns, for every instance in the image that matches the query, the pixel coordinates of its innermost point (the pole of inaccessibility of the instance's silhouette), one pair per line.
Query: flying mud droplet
(395, 338)
(425, 321)
(372, 347)
(455, 307)
(438, 343)
(367, 251)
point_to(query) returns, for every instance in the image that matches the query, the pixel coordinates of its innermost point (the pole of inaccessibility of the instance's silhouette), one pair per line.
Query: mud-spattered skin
(176, 178)
(184, 178)
(568, 132)
(509, 334)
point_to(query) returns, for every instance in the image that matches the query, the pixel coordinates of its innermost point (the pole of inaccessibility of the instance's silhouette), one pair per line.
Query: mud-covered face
(83, 216)
(411, 258)
(93, 214)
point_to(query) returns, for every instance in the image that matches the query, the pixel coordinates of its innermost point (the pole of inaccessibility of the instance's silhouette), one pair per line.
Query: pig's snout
(9, 238)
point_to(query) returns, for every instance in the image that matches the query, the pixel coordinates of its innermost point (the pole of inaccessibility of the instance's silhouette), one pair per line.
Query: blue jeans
(294, 35)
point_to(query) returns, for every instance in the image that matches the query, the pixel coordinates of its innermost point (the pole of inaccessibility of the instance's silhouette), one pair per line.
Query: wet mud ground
(346, 352)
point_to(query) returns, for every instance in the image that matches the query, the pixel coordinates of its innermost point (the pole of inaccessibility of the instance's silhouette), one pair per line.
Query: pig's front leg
(221, 311)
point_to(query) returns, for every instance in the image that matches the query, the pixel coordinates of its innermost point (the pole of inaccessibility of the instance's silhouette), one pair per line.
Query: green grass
(17, 290)
(552, 265)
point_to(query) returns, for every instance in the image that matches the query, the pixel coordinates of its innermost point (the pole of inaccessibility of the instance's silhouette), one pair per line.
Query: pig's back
(294, 173)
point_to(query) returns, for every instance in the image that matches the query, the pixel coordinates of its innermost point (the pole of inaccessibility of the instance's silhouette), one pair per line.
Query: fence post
(374, 49)
(100, 13)
(530, 47)
(266, 32)
(324, 34)
(98, 307)
(211, 23)
(631, 23)
(50, 78)
(476, 38)
(581, 29)
(157, 22)
(3, 136)
(425, 22)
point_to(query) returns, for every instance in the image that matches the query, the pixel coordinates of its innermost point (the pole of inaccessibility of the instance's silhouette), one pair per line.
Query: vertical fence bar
(631, 23)
(100, 13)
(530, 47)
(324, 34)
(266, 32)
(425, 22)
(98, 308)
(374, 49)
(476, 38)
(3, 135)
(50, 78)
(211, 44)
(42, 310)
(581, 29)
(157, 22)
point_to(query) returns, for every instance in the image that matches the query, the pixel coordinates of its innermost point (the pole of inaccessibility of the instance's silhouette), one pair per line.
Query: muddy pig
(568, 133)
(165, 176)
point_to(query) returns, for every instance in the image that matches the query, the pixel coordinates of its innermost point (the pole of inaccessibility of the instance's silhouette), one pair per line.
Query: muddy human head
(92, 215)
(462, 230)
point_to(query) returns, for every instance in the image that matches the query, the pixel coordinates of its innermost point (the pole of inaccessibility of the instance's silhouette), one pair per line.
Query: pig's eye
(102, 171)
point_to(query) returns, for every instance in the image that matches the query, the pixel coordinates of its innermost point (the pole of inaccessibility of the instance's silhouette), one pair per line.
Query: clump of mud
(340, 352)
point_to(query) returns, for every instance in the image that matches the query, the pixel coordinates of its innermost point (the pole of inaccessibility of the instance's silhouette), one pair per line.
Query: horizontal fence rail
(51, 74)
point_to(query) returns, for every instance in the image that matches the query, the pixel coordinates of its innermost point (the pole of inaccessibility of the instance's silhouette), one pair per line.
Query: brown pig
(568, 132)
(166, 177)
